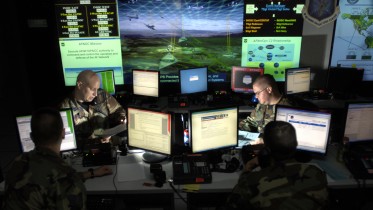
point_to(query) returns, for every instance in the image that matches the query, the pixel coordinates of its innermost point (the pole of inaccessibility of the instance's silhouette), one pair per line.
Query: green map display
(353, 37)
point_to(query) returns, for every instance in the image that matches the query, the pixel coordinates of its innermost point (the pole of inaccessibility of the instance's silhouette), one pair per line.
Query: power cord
(170, 182)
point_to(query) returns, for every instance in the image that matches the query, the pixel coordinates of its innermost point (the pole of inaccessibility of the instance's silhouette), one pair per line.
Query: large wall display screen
(180, 34)
(88, 37)
(169, 35)
(353, 37)
(272, 35)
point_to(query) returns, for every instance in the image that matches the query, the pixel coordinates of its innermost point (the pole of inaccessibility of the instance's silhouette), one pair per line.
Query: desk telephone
(191, 169)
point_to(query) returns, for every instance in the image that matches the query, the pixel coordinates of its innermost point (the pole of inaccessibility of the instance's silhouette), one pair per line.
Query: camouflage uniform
(40, 179)
(261, 116)
(104, 112)
(295, 186)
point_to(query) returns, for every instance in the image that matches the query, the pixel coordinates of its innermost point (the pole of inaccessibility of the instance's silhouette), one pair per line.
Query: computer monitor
(145, 82)
(297, 80)
(359, 122)
(344, 82)
(311, 126)
(107, 81)
(193, 80)
(213, 128)
(151, 131)
(24, 130)
(242, 78)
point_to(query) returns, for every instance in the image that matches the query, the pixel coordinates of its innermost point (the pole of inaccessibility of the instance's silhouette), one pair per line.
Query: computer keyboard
(100, 203)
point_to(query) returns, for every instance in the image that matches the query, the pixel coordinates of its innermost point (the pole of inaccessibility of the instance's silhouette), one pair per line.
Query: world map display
(353, 37)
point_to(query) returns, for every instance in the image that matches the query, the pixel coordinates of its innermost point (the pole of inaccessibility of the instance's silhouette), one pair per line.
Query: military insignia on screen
(320, 12)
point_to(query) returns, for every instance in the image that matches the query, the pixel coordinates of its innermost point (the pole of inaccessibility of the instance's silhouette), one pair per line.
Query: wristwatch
(92, 174)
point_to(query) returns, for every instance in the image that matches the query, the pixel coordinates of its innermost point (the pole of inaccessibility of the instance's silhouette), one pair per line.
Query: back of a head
(46, 126)
(280, 138)
(266, 80)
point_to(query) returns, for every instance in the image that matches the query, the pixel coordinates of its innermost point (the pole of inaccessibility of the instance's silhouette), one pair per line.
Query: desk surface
(338, 177)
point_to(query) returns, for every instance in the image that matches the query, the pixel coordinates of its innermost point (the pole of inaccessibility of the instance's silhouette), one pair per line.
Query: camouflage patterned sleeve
(115, 109)
(250, 123)
(238, 199)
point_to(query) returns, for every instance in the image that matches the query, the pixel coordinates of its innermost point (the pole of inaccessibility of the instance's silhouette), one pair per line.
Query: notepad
(130, 168)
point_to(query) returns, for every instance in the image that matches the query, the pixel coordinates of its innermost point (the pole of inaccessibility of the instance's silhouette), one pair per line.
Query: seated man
(268, 94)
(41, 179)
(94, 109)
(282, 183)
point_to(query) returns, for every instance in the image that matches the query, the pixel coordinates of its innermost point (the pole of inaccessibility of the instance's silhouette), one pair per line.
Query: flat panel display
(213, 129)
(297, 80)
(242, 78)
(145, 82)
(24, 130)
(193, 80)
(149, 130)
(359, 122)
(311, 126)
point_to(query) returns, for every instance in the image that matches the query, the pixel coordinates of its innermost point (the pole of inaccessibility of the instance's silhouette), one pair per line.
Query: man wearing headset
(281, 182)
(94, 109)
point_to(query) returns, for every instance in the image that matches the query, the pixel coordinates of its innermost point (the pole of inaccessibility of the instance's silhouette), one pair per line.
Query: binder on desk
(191, 169)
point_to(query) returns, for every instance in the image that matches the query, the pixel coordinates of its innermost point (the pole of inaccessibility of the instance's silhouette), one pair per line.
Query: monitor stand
(151, 157)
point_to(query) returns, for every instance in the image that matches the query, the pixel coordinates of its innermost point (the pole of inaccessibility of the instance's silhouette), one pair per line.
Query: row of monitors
(217, 128)
(195, 80)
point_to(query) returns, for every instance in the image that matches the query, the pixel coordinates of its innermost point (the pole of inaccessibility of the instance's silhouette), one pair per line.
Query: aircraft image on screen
(133, 17)
(150, 26)
(179, 35)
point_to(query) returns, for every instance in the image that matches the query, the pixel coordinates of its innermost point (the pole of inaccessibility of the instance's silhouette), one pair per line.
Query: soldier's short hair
(46, 126)
(266, 80)
(85, 76)
(280, 137)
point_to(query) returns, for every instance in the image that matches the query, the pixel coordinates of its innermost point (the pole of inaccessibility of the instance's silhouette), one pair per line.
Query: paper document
(246, 135)
(130, 169)
(110, 131)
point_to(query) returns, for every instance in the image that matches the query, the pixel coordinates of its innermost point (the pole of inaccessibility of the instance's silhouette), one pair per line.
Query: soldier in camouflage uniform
(40, 179)
(266, 90)
(282, 183)
(94, 109)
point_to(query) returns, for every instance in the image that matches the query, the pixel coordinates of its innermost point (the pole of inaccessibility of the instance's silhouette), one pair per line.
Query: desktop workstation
(335, 104)
(153, 121)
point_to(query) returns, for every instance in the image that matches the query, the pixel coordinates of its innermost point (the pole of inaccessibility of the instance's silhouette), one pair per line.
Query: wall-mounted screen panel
(353, 37)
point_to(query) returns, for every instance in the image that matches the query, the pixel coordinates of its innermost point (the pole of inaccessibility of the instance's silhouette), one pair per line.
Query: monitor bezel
(146, 70)
(287, 71)
(246, 69)
(110, 70)
(316, 110)
(190, 127)
(190, 69)
(156, 111)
